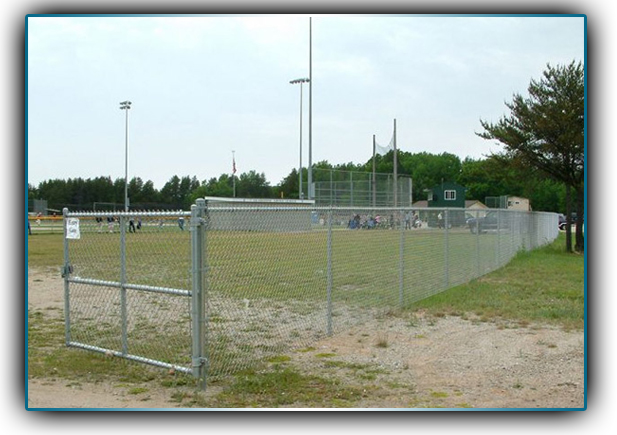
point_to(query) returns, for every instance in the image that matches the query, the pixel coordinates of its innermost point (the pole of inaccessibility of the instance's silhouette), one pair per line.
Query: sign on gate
(72, 228)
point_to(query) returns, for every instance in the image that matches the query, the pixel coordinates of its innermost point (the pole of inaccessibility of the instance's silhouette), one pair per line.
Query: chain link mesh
(333, 187)
(137, 307)
(274, 278)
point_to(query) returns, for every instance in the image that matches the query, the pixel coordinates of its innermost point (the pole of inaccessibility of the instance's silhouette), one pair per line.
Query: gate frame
(197, 293)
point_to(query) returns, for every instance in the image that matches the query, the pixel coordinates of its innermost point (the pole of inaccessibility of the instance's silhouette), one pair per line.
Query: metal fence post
(446, 249)
(530, 230)
(497, 247)
(513, 233)
(329, 276)
(331, 188)
(123, 312)
(351, 186)
(401, 258)
(198, 266)
(478, 257)
(65, 274)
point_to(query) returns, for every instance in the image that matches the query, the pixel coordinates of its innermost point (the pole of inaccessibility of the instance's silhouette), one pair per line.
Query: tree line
(482, 178)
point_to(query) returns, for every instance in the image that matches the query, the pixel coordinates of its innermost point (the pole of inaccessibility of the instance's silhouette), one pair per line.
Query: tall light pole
(310, 153)
(126, 105)
(294, 82)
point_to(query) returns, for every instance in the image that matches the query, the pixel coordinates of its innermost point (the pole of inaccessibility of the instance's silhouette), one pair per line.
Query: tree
(149, 193)
(480, 179)
(253, 185)
(289, 185)
(134, 190)
(546, 131)
(427, 170)
(221, 187)
(170, 193)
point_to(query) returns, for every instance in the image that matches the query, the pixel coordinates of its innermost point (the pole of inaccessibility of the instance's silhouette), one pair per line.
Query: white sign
(72, 228)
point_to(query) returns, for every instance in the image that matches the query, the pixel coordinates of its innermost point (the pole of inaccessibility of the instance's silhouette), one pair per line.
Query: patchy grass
(279, 359)
(382, 340)
(325, 355)
(283, 387)
(542, 286)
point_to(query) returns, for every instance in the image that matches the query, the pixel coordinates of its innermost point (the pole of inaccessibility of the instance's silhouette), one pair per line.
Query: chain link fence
(333, 187)
(212, 291)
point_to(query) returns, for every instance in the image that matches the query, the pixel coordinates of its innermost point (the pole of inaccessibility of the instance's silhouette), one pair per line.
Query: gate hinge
(199, 362)
(67, 270)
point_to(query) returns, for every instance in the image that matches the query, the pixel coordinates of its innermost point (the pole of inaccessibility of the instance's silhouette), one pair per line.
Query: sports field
(366, 265)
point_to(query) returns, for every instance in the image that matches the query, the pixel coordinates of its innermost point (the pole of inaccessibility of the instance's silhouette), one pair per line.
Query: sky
(209, 89)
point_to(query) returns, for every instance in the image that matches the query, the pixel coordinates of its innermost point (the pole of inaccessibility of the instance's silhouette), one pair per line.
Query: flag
(233, 169)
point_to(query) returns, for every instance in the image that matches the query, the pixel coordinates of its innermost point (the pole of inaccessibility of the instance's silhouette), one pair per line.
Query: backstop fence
(333, 187)
(213, 290)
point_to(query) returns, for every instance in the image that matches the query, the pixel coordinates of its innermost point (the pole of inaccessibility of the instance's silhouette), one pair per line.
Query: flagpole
(233, 171)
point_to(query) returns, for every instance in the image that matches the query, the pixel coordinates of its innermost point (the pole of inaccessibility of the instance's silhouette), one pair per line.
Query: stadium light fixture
(126, 105)
(295, 82)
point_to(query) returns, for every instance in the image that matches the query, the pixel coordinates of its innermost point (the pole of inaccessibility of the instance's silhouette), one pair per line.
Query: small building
(518, 203)
(474, 204)
(447, 195)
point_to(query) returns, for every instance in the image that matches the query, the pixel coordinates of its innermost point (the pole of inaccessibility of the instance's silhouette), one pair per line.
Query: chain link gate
(134, 284)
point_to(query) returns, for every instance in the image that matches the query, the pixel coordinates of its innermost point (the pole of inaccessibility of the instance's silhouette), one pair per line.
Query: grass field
(366, 265)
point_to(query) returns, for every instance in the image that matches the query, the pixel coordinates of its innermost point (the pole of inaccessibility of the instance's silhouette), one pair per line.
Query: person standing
(408, 220)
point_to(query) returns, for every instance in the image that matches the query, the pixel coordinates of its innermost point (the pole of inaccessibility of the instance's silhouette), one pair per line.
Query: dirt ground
(414, 362)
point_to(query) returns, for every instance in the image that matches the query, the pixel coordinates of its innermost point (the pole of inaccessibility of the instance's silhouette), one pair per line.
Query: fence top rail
(223, 207)
(166, 213)
(274, 201)
(217, 208)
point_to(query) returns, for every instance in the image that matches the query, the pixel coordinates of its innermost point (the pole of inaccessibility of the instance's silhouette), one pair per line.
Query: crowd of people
(134, 223)
(370, 222)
